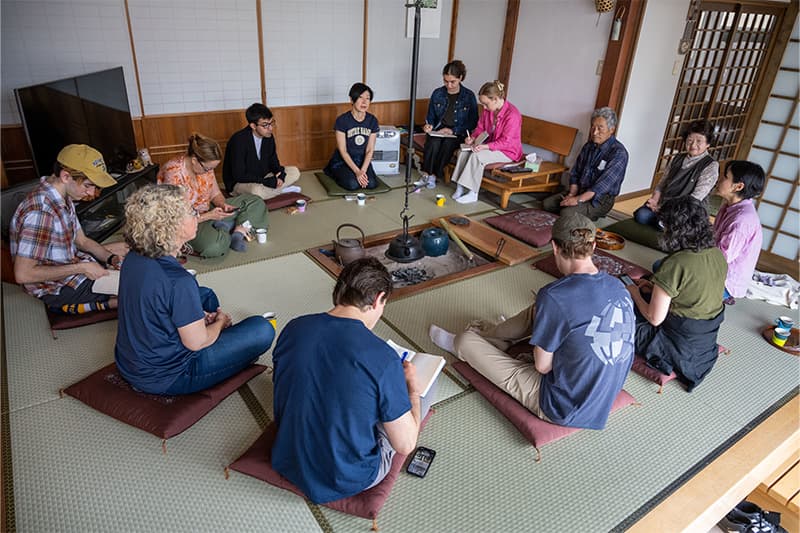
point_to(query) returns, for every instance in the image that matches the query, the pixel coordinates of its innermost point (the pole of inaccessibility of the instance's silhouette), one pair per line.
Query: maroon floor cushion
(64, 321)
(257, 462)
(533, 428)
(604, 261)
(163, 416)
(532, 226)
(285, 200)
(641, 367)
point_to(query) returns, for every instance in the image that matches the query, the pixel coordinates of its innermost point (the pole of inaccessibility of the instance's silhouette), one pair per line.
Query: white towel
(777, 289)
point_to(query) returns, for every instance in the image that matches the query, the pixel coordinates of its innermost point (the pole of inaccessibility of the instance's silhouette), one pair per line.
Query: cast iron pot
(348, 250)
(435, 242)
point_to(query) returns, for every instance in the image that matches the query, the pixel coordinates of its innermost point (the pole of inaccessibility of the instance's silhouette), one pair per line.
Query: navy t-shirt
(587, 322)
(356, 135)
(334, 382)
(156, 297)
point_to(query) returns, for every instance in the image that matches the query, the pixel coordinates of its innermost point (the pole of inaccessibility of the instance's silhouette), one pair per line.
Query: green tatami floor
(69, 468)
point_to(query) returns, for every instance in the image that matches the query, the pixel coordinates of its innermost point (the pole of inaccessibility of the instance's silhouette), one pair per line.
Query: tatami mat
(423, 206)
(78, 470)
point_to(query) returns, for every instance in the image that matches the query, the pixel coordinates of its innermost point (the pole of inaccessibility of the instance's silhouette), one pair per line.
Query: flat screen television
(88, 109)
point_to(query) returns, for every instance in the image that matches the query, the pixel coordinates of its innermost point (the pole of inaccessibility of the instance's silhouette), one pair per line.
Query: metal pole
(414, 68)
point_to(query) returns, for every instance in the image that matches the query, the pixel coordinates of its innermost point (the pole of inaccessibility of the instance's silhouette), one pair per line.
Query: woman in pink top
(502, 122)
(737, 229)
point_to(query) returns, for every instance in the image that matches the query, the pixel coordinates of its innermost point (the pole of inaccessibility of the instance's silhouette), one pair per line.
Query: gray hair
(608, 114)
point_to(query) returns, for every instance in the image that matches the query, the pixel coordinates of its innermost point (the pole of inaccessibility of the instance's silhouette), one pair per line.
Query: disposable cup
(361, 198)
(785, 322)
(191, 271)
(301, 205)
(440, 200)
(270, 316)
(779, 336)
(261, 235)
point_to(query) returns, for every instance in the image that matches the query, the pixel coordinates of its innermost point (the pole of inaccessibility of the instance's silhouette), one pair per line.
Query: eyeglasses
(195, 213)
(269, 124)
(205, 168)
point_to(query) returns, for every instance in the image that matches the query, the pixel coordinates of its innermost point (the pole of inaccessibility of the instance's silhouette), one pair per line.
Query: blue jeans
(237, 347)
(646, 216)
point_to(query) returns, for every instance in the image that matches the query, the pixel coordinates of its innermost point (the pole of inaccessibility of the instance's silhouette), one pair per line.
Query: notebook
(482, 136)
(107, 284)
(428, 366)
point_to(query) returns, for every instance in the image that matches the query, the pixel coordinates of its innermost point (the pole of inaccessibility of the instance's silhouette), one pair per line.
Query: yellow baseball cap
(87, 160)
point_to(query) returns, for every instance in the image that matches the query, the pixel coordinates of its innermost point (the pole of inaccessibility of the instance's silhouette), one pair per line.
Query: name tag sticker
(602, 165)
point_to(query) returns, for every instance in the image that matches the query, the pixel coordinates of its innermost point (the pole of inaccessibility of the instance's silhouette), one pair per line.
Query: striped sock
(79, 309)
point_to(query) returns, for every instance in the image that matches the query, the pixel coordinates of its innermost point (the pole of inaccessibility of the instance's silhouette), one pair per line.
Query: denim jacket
(466, 115)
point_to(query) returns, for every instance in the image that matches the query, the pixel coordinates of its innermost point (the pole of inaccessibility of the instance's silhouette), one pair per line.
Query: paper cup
(440, 200)
(361, 198)
(270, 316)
(261, 235)
(192, 271)
(785, 322)
(779, 336)
(301, 205)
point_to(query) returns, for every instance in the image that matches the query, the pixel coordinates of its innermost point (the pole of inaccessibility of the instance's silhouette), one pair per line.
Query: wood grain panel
(17, 158)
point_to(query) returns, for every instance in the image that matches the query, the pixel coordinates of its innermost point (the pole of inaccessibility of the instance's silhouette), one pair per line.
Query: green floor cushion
(334, 189)
(639, 233)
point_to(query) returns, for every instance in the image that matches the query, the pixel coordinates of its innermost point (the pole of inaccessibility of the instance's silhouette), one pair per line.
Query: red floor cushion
(257, 462)
(604, 261)
(532, 226)
(66, 321)
(641, 367)
(163, 416)
(284, 200)
(533, 428)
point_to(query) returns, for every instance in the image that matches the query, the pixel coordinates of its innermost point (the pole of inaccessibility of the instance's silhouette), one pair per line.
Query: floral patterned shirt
(199, 190)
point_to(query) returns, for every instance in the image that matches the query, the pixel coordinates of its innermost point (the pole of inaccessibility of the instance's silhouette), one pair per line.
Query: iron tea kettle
(348, 250)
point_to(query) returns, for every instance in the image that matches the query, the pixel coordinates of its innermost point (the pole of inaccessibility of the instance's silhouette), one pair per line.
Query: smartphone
(626, 279)
(421, 462)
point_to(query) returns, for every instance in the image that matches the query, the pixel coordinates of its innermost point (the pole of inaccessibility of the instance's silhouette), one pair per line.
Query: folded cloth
(290, 188)
(777, 289)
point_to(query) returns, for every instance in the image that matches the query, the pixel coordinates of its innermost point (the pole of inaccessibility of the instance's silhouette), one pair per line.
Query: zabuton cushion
(257, 462)
(533, 428)
(604, 261)
(67, 321)
(641, 367)
(639, 233)
(532, 226)
(163, 416)
(333, 188)
(284, 200)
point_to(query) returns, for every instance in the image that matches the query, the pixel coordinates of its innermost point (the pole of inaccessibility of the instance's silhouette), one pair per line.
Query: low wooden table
(504, 184)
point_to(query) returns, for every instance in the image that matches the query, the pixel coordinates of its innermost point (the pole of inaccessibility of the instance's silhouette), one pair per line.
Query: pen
(405, 354)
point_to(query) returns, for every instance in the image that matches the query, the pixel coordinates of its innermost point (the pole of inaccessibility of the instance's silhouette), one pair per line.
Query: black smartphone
(421, 462)
(626, 279)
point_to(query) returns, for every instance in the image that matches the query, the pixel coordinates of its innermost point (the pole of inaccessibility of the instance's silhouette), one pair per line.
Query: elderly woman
(452, 113)
(679, 310)
(221, 222)
(691, 174)
(172, 336)
(502, 122)
(356, 131)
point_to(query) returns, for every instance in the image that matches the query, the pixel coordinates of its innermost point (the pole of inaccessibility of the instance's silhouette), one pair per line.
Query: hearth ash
(409, 276)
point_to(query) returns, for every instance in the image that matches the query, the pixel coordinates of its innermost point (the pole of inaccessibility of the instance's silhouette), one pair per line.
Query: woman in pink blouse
(737, 228)
(503, 124)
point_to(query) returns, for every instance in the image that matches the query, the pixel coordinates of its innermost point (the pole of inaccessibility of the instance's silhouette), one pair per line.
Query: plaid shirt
(44, 228)
(600, 168)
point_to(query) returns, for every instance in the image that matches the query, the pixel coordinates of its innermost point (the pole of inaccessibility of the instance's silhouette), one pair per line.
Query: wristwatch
(110, 259)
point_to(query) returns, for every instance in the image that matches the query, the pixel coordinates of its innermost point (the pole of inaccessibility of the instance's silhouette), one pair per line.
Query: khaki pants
(291, 175)
(469, 167)
(485, 351)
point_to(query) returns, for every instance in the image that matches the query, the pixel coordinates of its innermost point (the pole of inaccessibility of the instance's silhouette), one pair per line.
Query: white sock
(442, 338)
(468, 198)
(460, 191)
(291, 188)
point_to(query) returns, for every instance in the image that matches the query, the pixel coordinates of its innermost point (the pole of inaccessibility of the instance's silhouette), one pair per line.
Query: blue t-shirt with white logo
(334, 381)
(587, 322)
(356, 136)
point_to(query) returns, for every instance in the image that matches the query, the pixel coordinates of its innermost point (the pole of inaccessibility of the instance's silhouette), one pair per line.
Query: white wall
(651, 89)
(479, 37)
(556, 50)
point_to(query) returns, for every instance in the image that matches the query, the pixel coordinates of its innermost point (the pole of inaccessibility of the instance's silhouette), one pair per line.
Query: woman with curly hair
(692, 174)
(220, 220)
(679, 310)
(172, 336)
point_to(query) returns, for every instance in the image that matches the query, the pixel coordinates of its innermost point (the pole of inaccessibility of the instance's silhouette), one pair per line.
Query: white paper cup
(301, 205)
(261, 235)
(192, 271)
(272, 319)
(361, 198)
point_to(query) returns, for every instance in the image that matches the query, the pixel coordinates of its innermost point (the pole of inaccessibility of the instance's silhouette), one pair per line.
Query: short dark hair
(455, 68)
(703, 127)
(360, 283)
(358, 89)
(751, 174)
(256, 112)
(686, 225)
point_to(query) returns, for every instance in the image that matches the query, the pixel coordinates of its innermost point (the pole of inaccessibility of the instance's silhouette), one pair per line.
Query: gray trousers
(604, 205)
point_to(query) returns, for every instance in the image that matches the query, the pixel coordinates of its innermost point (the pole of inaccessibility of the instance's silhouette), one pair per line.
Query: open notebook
(107, 284)
(482, 136)
(428, 366)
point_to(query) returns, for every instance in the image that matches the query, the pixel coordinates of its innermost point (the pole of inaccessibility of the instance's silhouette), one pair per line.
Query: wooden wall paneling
(16, 156)
(167, 135)
(507, 48)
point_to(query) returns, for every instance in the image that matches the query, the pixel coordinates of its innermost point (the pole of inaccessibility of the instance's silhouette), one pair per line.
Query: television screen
(89, 109)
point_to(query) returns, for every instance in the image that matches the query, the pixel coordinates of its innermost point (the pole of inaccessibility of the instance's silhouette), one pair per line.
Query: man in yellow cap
(53, 259)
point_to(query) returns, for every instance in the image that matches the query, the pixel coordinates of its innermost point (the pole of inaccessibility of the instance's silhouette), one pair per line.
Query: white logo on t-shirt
(612, 332)
(359, 140)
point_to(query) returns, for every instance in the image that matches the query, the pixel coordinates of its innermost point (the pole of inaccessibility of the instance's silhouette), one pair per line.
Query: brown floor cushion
(65, 321)
(641, 367)
(163, 416)
(285, 200)
(257, 462)
(532, 226)
(533, 428)
(605, 262)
